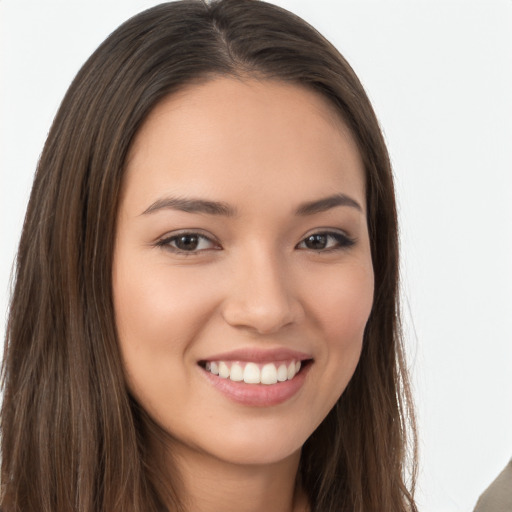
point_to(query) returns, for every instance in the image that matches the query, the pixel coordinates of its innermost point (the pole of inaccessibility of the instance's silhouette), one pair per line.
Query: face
(242, 254)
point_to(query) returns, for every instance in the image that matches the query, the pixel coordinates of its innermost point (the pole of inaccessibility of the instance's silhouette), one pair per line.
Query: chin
(258, 454)
(242, 446)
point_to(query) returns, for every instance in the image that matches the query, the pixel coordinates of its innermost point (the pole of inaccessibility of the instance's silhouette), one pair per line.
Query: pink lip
(258, 395)
(260, 356)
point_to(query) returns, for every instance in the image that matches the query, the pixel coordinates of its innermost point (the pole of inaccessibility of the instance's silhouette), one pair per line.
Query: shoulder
(498, 496)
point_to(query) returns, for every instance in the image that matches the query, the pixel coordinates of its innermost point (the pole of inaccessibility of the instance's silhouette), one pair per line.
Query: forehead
(229, 135)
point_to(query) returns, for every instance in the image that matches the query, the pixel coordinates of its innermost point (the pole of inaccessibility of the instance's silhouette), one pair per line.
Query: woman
(205, 313)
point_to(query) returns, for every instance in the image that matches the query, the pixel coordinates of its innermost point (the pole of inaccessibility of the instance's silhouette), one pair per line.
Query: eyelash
(166, 243)
(342, 242)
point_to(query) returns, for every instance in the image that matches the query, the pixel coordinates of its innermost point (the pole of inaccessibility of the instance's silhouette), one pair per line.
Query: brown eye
(316, 242)
(326, 241)
(188, 243)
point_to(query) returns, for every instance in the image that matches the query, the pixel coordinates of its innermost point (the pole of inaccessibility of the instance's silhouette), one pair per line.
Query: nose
(261, 296)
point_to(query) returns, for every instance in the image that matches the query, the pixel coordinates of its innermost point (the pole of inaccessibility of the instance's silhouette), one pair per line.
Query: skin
(263, 148)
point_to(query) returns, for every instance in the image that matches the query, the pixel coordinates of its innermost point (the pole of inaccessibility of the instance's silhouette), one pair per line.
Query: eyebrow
(326, 203)
(191, 206)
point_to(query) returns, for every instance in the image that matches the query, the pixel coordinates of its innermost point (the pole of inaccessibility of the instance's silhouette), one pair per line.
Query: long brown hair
(72, 437)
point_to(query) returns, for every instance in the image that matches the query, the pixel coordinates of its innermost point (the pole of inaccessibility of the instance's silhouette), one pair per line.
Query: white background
(439, 73)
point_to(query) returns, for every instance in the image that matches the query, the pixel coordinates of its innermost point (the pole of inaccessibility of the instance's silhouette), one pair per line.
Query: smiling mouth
(255, 373)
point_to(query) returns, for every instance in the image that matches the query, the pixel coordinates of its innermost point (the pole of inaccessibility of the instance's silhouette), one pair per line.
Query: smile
(254, 373)
(257, 378)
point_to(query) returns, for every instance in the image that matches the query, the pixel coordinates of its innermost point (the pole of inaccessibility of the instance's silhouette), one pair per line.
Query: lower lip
(258, 395)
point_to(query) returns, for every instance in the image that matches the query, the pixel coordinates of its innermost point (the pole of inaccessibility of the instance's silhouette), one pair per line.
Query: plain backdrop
(439, 74)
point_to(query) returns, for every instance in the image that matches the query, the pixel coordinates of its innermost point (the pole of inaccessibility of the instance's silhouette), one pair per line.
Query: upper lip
(260, 355)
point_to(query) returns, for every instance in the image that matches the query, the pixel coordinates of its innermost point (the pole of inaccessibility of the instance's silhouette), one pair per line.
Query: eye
(326, 241)
(188, 243)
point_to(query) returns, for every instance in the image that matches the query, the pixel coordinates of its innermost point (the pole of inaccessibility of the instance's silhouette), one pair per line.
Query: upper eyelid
(325, 231)
(175, 234)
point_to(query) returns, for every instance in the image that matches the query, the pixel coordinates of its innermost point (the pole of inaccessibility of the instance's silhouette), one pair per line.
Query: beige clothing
(498, 496)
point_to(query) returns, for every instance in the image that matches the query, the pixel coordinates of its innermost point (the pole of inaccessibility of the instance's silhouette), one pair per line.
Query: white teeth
(223, 370)
(291, 371)
(282, 373)
(252, 373)
(236, 373)
(269, 374)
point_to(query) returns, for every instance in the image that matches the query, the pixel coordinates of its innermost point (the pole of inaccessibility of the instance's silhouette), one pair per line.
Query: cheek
(154, 304)
(151, 310)
(346, 314)
(344, 302)
(158, 314)
(341, 311)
